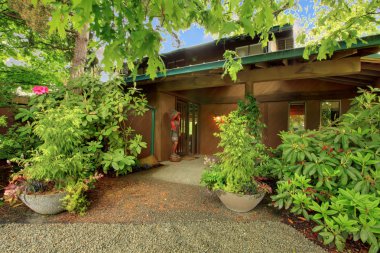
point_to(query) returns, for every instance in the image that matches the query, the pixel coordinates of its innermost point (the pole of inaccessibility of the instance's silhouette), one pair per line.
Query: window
(286, 43)
(175, 64)
(297, 116)
(255, 49)
(252, 49)
(242, 51)
(330, 111)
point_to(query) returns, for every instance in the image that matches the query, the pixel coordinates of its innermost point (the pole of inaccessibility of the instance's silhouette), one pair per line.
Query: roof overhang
(366, 46)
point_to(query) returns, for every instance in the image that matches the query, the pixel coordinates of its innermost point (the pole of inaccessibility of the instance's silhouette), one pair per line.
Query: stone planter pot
(44, 203)
(240, 203)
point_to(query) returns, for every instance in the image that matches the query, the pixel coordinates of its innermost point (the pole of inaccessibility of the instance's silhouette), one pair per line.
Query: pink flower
(39, 90)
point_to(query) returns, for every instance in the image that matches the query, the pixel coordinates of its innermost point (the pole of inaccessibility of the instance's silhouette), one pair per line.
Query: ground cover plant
(80, 129)
(332, 175)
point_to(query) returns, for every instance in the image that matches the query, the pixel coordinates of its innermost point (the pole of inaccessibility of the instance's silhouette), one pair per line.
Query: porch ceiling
(369, 74)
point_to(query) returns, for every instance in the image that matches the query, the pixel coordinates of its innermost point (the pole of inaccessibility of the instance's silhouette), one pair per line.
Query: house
(293, 93)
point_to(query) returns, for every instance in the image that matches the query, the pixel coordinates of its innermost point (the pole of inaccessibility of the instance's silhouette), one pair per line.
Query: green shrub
(79, 129)
(251, 110)
(3, 121)
(242, 154)
(62, 157)
(332, 175)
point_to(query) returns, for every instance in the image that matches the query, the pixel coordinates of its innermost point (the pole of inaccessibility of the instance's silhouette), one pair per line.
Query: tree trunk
(80, 53)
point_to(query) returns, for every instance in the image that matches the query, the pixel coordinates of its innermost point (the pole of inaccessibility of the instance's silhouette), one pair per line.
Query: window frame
(329, 100)
(305, 117)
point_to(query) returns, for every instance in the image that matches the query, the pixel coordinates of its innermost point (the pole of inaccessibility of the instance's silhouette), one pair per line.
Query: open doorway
(188, 143)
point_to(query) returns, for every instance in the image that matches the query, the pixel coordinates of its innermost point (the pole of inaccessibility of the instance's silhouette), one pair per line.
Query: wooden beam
(195, 83)
(180, 77)
(363, 52)
(262, 65)
(370, 73)
(285, 62)
(344, 81)
(361, 77)
(344, 54)
(371, 66)
(319, 69)
(220, 100)
(307, 96)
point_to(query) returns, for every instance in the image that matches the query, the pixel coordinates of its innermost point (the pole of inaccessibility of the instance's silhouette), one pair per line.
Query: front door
(188, 130)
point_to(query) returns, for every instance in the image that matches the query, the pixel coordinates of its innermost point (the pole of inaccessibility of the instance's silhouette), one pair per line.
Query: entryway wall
(208, 142)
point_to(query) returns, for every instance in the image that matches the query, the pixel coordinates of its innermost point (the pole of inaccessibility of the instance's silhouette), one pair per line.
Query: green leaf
(364, 235)
(327, 237)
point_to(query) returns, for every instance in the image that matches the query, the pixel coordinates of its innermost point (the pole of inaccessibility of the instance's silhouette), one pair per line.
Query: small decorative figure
(175, 118)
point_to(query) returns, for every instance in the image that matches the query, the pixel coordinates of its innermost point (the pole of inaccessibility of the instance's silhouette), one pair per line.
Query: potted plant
(233, 175)
(58, 171)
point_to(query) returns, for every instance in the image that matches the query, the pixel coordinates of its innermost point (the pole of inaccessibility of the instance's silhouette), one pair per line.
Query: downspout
(152, 132)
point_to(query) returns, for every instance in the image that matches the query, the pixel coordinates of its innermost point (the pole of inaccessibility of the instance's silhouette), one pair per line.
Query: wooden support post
(249, 89)
(377, 83)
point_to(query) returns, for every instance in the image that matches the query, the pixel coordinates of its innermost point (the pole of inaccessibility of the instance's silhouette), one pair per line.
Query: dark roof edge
(274, 29)
(373, 40)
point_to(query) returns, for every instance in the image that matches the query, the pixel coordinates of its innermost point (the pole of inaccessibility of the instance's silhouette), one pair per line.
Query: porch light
(218, 119)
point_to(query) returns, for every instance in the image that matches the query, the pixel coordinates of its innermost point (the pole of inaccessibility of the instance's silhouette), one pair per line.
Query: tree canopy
(132, 30)
(28, 54)
(333, 21)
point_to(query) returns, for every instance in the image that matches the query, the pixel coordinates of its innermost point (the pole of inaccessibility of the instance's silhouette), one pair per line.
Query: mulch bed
(5, 172)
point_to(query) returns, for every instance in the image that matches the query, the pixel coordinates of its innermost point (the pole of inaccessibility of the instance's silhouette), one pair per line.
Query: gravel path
(146, 212)
(212, 236)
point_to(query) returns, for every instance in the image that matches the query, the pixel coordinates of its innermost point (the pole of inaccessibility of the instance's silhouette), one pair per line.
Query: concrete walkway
(183, 172)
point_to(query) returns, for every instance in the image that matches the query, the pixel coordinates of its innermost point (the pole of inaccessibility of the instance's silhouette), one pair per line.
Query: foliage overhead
(132, 30)
(333, 21)
(332, 175)
(24, 38)
(232, 64)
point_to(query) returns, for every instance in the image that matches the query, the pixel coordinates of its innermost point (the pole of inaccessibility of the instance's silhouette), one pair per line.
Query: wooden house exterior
(292, 92)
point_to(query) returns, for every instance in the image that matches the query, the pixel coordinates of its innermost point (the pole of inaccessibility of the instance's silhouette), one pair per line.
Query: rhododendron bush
(332, 175)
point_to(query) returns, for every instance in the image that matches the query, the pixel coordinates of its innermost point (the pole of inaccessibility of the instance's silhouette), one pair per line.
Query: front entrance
(188, 143)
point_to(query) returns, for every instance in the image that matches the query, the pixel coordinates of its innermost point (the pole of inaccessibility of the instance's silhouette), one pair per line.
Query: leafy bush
(251, 110)
(18, 142)
(3, 121)
(332, 175)
(106, 108)
(81, 128)
(242, 153)
(62, 157)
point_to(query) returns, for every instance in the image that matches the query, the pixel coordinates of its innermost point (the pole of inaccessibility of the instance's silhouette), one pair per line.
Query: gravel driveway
(162, 237)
